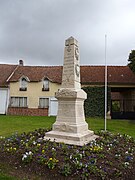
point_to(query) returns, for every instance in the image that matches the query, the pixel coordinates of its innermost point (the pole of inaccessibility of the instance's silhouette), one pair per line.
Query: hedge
(94, 104)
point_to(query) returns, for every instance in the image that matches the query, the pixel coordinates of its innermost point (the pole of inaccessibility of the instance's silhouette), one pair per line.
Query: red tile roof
(116, 75)
(5, 72)
(89, 74)
(37, 73)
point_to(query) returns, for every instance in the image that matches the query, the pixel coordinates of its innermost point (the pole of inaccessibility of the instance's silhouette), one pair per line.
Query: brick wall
(27, 111)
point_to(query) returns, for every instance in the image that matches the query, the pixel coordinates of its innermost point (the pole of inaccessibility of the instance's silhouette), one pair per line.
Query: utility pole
(105, 81)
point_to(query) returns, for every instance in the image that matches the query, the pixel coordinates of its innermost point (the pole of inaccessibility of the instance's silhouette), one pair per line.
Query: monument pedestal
(70, 126)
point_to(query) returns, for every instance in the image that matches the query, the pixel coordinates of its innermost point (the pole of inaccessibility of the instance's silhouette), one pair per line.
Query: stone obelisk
(70, 126)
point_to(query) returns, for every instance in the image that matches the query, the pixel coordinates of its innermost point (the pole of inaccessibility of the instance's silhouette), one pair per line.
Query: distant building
(30, 90)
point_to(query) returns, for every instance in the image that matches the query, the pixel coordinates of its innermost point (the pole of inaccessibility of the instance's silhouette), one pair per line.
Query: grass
(6, 177)
(20, 124)
(114, 126)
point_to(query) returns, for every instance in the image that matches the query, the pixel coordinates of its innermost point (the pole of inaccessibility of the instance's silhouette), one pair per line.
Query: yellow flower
(43, 151)
(57, 160)
(50, 159)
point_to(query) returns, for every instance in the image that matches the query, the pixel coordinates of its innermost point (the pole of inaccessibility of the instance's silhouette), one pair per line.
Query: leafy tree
(131, 60)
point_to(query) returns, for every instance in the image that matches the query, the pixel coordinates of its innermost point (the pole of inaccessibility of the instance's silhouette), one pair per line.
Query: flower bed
(108, 157)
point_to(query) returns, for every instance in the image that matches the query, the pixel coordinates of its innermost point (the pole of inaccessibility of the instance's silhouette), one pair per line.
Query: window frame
(23, 84)
(45, 84)
(43, 106)
(18, 101)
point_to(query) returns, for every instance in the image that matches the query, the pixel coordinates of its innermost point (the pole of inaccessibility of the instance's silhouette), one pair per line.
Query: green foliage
(94, 104)
(116, 106)
(65, 169)
(131, 60)
(6, 177)
(51, 163)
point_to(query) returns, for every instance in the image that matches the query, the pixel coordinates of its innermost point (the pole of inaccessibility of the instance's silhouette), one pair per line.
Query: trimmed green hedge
(94, 104)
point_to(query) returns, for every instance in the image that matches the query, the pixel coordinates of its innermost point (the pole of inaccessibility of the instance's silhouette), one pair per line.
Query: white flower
(30, 153)
(24, 157)
(126, 163)
(70, 156)
(1, 137)
(34, 142)
(80, 156)
(40, 139)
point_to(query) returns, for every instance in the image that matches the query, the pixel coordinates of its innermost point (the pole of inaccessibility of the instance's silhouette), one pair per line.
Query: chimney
(21, 62)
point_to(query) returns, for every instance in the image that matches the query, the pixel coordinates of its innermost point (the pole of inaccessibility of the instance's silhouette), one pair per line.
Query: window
(43, 102)
(45, 85)
(18, 102)
(23, 84)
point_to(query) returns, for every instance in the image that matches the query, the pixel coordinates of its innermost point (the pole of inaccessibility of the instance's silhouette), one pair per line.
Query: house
(30, 90)
(6, 71)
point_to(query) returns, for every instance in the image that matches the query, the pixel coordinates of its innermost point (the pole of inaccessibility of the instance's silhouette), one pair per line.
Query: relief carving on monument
(65, 93)
(77, 70)
(64, 127)
(77, 53)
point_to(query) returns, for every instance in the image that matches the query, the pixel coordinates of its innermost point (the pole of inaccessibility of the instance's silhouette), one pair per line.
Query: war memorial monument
(70, 126)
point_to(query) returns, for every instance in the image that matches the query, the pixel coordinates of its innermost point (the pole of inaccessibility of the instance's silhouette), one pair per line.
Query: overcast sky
(36, 30)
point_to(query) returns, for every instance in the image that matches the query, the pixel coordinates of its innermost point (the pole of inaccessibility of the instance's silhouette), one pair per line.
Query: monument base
(78, 139)
(70, 126)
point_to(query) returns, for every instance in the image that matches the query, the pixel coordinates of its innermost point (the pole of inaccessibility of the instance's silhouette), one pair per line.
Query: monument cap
(71, 41)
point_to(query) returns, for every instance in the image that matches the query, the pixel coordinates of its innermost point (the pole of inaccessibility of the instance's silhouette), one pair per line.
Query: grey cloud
(36, 30)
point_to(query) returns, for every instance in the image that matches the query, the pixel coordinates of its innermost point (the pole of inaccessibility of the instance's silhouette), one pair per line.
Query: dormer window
(45, 85)
(23, 84)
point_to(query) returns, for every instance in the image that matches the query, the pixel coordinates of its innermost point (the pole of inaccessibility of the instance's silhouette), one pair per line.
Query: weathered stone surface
(70, 126)
(70, 93)
(71, 67)
(79, 139)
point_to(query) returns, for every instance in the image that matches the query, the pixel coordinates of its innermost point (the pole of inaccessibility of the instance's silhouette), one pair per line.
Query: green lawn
(114, 126)
(20, 124)
(12, 124)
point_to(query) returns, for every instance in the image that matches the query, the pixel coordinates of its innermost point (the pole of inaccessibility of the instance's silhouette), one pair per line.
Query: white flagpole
(105, 81)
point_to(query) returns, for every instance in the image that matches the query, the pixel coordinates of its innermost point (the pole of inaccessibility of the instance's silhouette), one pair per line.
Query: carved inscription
(68, 70)
(71, 68)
